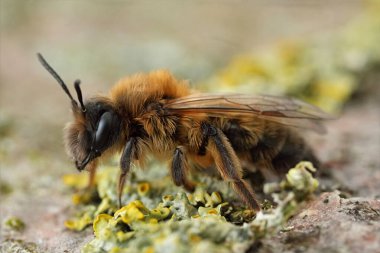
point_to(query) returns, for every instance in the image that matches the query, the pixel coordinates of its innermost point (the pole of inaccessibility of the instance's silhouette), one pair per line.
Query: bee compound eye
(103, 131)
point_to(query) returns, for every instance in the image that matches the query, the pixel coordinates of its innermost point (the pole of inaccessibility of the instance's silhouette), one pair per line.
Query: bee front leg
(228, 165)
(125, 164)
(179, 168)
(92, 173)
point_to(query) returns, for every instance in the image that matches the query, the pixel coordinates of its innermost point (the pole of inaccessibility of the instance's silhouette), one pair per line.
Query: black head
(96, 126)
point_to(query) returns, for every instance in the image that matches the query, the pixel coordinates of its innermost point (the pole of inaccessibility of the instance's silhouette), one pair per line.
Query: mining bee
(157, 114)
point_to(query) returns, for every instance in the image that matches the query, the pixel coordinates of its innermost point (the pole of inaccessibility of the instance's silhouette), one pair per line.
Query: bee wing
(283, 110)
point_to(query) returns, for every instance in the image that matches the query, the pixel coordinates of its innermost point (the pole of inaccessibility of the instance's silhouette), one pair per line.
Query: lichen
(15, 223)
(82, 220)
(300, 180)
(135, 228)
(159, 217)
(5, 188)
(19, 246)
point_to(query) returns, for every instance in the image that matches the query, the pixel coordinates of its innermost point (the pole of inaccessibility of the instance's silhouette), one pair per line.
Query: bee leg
(125, 164)
(91, 177)
(228, 165)
(204, 142)
(179, 169)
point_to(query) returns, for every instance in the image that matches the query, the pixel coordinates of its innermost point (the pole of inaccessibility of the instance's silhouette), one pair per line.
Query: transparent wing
(283, 110)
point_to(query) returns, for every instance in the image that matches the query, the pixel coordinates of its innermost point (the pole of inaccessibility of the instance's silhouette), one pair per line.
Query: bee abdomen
(276, 145)
(293, 151)
(241, 139)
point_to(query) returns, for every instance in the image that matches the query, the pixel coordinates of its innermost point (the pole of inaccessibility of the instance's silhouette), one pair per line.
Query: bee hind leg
(229, 167)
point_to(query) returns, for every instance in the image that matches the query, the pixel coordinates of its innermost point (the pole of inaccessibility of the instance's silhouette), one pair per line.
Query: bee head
(92, 132)
(96, 126)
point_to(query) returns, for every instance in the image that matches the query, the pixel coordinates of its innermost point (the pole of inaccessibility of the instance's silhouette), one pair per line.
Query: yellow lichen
(15, 223)
(79, 223)
(216, 198)
(143, 188)
(124, 236)
(100, 226)
(148, 250)
(167, 198)
(134, 211)
(77, 181)
(199, 196)
(82, 197)
(160, 212)
(183, 220)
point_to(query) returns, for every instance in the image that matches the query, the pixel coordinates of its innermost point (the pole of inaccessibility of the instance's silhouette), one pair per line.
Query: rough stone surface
(330, 224)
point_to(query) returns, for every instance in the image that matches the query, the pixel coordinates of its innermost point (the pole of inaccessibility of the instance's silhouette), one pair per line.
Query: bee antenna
(79, 94)
(56, 77)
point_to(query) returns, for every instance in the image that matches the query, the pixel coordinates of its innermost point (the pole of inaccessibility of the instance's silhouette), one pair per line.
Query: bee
(157, 114)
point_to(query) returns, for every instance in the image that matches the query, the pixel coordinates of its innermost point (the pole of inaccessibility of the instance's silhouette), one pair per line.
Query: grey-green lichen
(159, 217)
(19, 246)
(14, 223)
